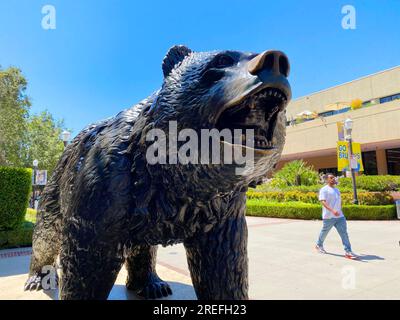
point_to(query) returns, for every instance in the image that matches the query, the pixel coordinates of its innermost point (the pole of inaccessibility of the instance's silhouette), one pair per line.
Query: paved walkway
(283, 264)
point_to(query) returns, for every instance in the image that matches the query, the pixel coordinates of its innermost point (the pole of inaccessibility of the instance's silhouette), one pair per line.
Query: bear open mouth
(258, 112)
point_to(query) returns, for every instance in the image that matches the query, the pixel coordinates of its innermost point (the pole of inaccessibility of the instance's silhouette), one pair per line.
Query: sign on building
(343, 156)
(41, 177)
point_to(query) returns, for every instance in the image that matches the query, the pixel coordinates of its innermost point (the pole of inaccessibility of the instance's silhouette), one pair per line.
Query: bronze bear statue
(106, 205)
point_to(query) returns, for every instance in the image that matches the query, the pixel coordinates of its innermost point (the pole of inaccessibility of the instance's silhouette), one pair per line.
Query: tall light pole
(348, 125)
(35, 166)
(65, 135)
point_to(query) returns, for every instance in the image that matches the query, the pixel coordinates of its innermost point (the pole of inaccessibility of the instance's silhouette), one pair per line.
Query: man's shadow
(360, 257)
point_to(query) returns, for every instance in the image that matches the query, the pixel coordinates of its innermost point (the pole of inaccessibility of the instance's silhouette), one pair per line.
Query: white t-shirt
(332, 198)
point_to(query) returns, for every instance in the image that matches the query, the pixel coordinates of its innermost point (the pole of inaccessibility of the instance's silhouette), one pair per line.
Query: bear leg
(218, 262)
(89, 269)
(45, 249)
(142, 276)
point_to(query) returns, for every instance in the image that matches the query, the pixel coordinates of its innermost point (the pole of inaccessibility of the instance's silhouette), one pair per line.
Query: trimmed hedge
(364, 183)
(373, 183)
(367, 198)
(308, 211)
(315, 188)
(15, 187)
(20, 237)
(260, 208)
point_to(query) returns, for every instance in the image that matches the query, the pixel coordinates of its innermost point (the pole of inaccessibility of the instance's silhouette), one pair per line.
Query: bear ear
(174, 55)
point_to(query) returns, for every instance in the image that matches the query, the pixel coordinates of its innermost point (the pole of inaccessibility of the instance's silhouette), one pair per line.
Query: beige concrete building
(312, 131)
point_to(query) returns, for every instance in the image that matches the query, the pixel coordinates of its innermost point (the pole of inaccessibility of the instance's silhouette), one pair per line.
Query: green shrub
(294, 210)
(307, 211)
(15, 187)
(364, 183)
(369, 198)
(365, 198)
(373, 183)
(295, 173)
(274, 196)
(271, 187)
(349, 189)
(363, 212)
(19, 237)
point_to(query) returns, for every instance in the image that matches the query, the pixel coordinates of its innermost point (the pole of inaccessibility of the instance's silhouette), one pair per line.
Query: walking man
(332, 216)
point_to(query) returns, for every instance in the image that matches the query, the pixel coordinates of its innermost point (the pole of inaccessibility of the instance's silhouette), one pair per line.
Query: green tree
(42, 141)
(295, 173)
(14, 110)
(25, 137)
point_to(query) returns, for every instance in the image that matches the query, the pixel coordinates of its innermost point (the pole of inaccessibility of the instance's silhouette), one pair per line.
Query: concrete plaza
(282, 264)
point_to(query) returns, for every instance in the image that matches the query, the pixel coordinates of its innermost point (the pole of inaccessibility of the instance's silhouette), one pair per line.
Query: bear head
(221, 91)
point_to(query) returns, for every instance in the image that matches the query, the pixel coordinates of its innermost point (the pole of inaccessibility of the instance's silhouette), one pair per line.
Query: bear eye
(223, 61)
(212, 75)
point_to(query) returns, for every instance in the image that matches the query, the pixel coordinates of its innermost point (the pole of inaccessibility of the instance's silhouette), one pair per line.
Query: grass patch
(30, 215)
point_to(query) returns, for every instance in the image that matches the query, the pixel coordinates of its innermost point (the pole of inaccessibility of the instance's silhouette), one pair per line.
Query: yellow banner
(342, 156)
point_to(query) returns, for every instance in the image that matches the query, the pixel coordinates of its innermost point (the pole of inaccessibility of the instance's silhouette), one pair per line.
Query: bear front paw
(153, 288)
(35, 282)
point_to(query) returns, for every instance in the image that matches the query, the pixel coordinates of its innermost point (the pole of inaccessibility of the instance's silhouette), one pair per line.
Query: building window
(390, 98)
(326, 114)
(342, 110)
(369, 163)
(334, 112)
(393, 161)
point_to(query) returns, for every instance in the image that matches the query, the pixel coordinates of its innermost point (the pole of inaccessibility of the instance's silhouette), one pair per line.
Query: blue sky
(105, 56)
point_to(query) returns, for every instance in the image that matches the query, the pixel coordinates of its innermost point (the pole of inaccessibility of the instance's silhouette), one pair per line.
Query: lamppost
(35, 166)
(65, 135)
(348, 125)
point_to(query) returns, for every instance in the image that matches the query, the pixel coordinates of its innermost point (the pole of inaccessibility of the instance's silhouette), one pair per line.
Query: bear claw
(34, 283)
(154, 289)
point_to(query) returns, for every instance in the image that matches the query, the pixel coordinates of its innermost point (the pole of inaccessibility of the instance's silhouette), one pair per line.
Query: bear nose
(272, 61)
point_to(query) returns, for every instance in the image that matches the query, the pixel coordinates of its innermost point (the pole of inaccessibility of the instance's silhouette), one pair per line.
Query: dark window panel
(393, 161)
(369, 162)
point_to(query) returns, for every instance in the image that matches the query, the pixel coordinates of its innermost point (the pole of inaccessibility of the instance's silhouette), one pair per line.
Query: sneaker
(350, 255)
(320, 249)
